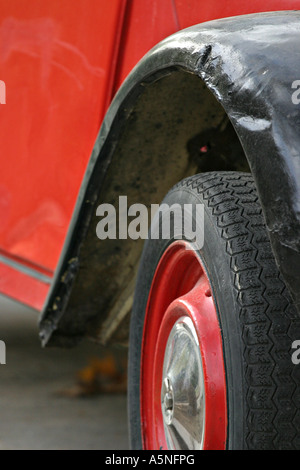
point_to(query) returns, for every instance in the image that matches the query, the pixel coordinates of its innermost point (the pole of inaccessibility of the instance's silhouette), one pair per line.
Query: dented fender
(249, 63)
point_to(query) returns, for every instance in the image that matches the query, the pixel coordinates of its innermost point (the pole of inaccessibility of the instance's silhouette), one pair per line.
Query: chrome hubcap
(182, 393)
(167, 401)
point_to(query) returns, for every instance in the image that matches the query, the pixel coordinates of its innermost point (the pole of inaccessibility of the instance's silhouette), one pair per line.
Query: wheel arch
(223, 86)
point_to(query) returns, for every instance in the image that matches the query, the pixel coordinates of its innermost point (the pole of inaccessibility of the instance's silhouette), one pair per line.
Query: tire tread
(268, 319)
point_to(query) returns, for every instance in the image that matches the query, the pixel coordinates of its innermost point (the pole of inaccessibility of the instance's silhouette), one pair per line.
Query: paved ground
(33, 416)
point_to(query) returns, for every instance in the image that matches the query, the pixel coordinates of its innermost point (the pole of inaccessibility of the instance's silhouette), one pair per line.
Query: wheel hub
(183, 388)
(182, 395)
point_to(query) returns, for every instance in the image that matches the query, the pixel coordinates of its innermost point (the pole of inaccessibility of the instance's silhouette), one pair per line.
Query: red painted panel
(56, 59)
(21, 287)
(147, 22)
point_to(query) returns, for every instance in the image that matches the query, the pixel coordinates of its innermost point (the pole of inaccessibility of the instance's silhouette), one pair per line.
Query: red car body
(62, 62)
(100, 99)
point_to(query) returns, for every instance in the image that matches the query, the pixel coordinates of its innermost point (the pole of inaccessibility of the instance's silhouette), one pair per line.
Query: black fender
(249, 64)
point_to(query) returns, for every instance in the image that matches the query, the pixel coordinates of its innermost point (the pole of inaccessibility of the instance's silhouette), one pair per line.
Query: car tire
(212, 329)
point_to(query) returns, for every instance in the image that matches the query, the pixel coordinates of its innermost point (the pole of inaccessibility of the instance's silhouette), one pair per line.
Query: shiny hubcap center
(182, 392)
(167, 401)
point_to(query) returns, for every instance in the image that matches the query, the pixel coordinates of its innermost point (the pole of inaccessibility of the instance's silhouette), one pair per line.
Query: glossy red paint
(181, 288)
(61, 63)
(57, 69)
(146, 23)
(58, 64)
(30, 291)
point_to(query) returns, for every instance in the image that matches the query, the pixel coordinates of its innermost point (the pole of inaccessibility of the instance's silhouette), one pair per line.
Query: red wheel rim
(181, 294)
